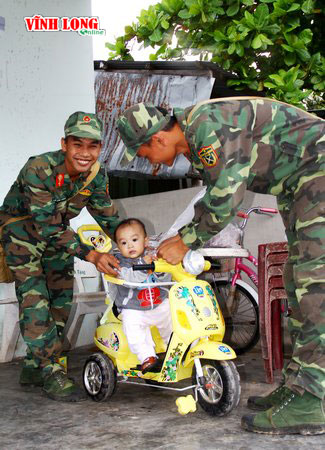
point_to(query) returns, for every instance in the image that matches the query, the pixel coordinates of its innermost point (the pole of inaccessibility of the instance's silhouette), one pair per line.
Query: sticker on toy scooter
(169, 371)
(114, 342)
(104, 342)
(198, 291)
(224, 349)
(131, 373)
(213, 300)
(182, 292)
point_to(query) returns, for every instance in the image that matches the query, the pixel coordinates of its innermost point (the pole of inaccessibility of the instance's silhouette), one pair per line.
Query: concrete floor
(135, 417)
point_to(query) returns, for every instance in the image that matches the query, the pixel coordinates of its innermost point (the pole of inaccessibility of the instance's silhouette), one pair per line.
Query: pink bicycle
(238, 300)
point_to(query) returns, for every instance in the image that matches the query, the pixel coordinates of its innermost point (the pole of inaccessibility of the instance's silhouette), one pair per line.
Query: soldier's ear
(63, 145)
(159, 138)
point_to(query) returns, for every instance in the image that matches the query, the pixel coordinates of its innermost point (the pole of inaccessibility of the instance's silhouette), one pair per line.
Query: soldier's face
(80, 154)
(160, 150)
(165, 146)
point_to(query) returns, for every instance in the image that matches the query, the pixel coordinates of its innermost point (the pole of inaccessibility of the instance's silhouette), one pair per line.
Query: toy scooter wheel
(221, 392)
(99, 377)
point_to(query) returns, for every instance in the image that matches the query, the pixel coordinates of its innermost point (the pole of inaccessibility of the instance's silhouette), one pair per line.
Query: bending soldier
(51, 189)
(268, 147)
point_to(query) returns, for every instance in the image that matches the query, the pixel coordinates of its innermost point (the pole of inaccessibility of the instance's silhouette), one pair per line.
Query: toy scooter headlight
(183, 320)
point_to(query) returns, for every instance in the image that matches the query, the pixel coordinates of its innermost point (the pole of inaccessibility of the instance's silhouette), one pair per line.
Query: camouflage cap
(137, 125)
(83, 125)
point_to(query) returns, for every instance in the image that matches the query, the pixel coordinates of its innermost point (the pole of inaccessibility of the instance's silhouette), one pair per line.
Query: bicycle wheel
(242, 326)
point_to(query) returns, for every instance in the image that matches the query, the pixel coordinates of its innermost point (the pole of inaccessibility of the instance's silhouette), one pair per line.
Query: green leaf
(265, 39)
(306, 36)
(233, 9)
(269, 85)
(303, 54)
(232, 48)
(239, 49)
(218, 36)
(153, 57)
(290, 59)
(257, 43)
(110, 46)
(164, 24)
(261, 15)
(185, 14)
(156, 36)
(294, 7)
(278, 79)
(288, 48)
(308, 6)
(249, 19)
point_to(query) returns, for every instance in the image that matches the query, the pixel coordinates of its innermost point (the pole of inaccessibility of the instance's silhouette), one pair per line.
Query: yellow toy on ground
(195, 350)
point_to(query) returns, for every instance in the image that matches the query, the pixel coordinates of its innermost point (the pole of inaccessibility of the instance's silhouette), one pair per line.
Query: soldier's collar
(181, 115)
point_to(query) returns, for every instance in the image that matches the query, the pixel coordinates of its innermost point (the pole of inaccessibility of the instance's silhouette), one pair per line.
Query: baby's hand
(148, 259)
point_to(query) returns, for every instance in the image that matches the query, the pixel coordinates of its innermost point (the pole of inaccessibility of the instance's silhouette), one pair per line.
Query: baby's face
(131, 240)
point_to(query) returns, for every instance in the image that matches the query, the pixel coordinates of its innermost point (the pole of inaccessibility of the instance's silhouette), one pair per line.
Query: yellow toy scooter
(195, 350)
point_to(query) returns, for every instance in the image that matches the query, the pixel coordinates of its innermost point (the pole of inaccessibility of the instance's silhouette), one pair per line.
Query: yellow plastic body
(100, 241)
(186, 404)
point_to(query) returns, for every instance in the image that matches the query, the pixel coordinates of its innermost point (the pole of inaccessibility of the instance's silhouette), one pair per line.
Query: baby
(140, 308)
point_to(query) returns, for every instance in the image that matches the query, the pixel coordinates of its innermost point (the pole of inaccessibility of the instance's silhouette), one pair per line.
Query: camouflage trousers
(303, 213)
(44, 287)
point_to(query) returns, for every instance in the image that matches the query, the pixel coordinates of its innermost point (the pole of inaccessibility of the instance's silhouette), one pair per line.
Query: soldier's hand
(173, 250)
(104, 262)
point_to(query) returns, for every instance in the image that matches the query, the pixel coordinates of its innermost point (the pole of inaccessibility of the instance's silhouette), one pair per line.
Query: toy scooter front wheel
(99, 377)
(221, 392)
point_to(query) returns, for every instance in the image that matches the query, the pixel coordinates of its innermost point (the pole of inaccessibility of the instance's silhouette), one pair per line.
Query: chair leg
(277, 335)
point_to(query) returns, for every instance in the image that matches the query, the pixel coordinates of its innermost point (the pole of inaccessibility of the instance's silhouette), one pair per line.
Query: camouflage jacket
(44, 191)
(246, 143)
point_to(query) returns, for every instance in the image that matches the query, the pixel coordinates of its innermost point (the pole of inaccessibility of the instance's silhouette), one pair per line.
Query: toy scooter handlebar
(213, 265)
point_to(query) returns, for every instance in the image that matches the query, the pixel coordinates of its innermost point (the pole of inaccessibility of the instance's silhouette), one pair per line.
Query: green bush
(274, 46)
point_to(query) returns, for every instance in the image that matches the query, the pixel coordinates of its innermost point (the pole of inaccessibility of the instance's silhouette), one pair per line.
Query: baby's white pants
(136, 326)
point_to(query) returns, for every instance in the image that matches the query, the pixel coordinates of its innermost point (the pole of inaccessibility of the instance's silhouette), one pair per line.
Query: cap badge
(86, 119)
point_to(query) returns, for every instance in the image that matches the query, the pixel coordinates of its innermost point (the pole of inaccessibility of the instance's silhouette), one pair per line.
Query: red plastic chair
(271, 259)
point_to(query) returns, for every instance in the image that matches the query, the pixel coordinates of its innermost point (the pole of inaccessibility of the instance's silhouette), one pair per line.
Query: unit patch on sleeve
(209, 156)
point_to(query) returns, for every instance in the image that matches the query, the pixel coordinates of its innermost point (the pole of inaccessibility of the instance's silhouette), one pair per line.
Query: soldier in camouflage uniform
(268, 147)
(40, 249)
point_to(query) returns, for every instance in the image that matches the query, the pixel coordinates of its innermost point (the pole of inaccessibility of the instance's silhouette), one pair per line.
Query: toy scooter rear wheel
(221, 392)
(99, 377)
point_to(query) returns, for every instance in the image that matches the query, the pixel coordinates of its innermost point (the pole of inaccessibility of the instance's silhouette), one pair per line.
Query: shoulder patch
(209, 156)
(59, 180)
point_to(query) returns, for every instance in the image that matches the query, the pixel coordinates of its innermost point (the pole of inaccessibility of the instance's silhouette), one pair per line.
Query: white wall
(44, 77)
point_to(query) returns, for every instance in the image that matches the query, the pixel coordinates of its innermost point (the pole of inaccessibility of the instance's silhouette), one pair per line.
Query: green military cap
(83, 125)
(137, 125)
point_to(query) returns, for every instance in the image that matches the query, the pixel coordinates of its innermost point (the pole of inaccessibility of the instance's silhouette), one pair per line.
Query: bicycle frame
(241, 267)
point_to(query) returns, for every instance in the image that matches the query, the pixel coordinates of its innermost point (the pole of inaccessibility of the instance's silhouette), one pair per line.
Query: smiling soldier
(51, 189)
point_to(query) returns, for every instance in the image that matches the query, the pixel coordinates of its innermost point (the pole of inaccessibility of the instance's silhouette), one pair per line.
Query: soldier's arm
(225, 173)
(101, 207)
